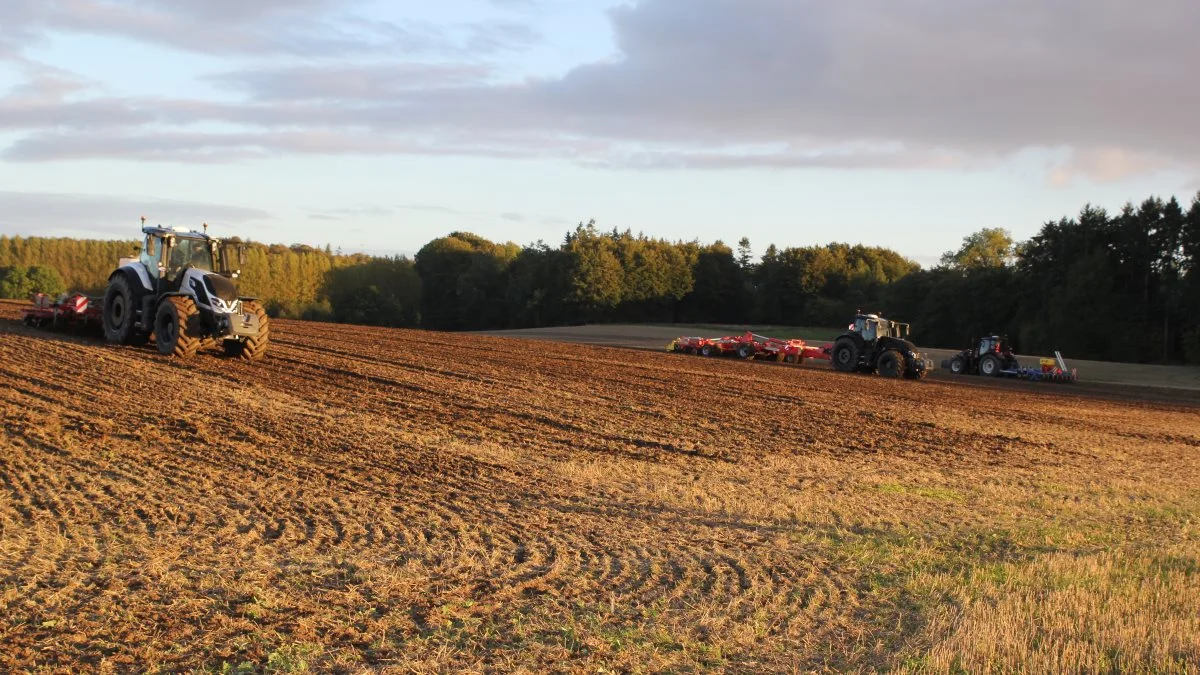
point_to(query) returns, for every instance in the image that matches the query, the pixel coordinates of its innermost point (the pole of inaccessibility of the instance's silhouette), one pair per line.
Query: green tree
(989, 247)
(20, 282)
(463, 279)
(596, 279)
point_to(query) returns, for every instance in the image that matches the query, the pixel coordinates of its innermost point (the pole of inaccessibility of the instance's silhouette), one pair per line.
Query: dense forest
(1123, 286)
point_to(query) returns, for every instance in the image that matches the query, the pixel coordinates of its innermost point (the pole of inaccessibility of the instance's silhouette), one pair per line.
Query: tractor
(990, 355)
(180, 290)
(873, 344)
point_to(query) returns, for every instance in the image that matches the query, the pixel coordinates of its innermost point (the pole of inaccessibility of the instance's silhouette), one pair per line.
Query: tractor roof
(175, 231)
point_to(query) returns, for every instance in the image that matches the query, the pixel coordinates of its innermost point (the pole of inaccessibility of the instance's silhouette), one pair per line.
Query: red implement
(69, 309)
(751, 345)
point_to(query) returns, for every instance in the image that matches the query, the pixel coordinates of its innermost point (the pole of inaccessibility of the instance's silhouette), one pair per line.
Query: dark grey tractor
(873, 344)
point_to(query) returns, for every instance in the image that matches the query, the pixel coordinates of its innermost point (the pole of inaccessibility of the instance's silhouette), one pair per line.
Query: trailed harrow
(68, 309)
(751, 345)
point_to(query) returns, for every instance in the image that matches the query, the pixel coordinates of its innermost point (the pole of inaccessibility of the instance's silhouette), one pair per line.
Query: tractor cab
(871, 327)
(169, 251)
(997, 344)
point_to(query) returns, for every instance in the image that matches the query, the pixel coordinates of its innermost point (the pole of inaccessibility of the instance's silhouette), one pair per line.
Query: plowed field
(373, 499)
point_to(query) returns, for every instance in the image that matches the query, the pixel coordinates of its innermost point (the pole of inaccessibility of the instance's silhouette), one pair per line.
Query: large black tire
(990, 365)
(845, 356)
(745, 352)
(177, 327)
(252, 348)
(958, 365)
(891, 363)
(707, 350)
(120, 313)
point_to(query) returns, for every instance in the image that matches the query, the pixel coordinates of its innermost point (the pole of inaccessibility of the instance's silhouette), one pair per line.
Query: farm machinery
(74, 309)
(748, 346)
(873, 344)
(870, 345)
(987, 356)
(992, 356)
(180, 290)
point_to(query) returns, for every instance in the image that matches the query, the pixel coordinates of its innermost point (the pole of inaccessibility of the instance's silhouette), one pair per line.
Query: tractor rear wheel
(845, 356)
(177, 327)
(255, 347)
(118, 312)
(891, 363)
(989, 365)
(958, 365)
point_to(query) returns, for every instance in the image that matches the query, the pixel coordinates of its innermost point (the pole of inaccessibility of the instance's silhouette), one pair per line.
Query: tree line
(1123, 286)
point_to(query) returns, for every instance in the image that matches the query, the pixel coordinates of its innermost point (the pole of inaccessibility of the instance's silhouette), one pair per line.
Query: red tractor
(991, 356)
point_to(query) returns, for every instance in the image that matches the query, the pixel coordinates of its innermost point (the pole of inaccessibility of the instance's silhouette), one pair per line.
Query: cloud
(697, 84)
(351, 213)
(102, 216)
(346, 83)
(1105, 165)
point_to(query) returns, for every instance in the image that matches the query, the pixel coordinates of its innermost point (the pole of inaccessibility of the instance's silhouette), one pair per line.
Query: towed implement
(749, 346)
(70, 309)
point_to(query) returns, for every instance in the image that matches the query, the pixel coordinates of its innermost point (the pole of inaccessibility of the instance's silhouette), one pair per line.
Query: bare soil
(375, 500)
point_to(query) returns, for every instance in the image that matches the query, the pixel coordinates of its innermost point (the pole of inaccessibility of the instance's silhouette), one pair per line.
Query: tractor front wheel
(255, 347)
(958, 365)
(177, 327)
(845, 356)
(891, 363)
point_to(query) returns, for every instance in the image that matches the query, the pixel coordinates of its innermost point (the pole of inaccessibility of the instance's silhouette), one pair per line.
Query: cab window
(868, 331)
(190, 252)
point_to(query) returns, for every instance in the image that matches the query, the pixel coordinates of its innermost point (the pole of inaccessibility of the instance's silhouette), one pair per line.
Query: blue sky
(377, 125)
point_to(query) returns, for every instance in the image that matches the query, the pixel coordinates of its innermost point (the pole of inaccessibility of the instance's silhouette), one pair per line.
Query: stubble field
(384, 500)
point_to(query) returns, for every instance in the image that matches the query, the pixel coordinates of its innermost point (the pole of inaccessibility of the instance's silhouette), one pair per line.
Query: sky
(377, 125)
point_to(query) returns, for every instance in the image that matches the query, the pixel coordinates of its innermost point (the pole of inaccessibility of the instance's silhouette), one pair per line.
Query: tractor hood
(220, 287)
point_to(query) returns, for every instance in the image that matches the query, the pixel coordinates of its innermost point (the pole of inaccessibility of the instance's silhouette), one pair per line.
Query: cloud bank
(695, 84)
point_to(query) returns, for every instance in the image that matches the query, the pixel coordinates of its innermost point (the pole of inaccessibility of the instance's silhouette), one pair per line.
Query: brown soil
(383, 499)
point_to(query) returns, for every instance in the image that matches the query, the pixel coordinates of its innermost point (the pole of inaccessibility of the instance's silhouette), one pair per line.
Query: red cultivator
(751, 346)
(75, 309)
